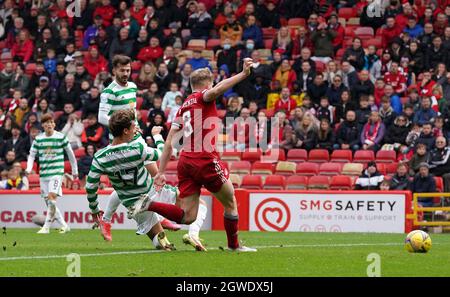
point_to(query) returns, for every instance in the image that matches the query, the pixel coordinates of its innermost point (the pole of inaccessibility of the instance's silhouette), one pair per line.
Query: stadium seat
(297, 155)
(240, 167)
(194, 44)
(67, 167)
(319, 182)
(269, 33)
(376, 41)
(274, 155)
(297, 182)
(381, 167)
(172, 167)
(347, 13)
(391, 168)
(330, 168)
(235, 180)
(144, 115)
(386, 156)
(318, 156)
(33, 181)
(275, 182)
(353, 22)
(349, 32)
(341, 156)
(285, 168)
(268, 43)
(439, 184)
(307, 169)
(340, 53)
(136, 66)
(364, 32)
(172, 179)
(341, 182)
(320, 66)
(252, 156)
(362, 156)
(57, 114)
(231, 156)
(296, 22)
(262, 168)
(352, 169)
(80, 152)
(252, 182)
(212, 43)
(139, 101)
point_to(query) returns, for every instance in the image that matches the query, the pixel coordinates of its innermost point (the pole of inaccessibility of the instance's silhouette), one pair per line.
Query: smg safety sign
(333, 212)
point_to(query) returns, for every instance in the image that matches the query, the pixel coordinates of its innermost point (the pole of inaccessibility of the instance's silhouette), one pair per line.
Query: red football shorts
(193, 173)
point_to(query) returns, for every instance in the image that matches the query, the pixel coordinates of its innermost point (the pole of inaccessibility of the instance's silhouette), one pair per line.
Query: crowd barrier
(259, 210)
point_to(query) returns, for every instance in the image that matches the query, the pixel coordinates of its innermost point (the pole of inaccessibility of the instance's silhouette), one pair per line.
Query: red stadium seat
(33, 181)
(172, 167)
(285, 168)
(341, 156)
(212, 43)
(240, 167)
(318, 156)
(307, 169)
(136, 66)
(252, 155)
(319, 182)
(439, 184)
(67, 167)
(262, 168)
(297, 182)
(269, 33)
(268, 43)
(381, 167)
(391, 168)
(296, 22)
(386, 156)
(340, 53)
(377, 42)
(252, 182)
(80, 152)
(341, 182)
(274, 155)
(275, 182)
(320, 66)
(172, 179)
(362, 156)
(349, 32)
(297, 155)
(139, 101)
(231, 156)
(347, 12)
(330, 169)
(364, 32)
(6, 103)
(144, 115)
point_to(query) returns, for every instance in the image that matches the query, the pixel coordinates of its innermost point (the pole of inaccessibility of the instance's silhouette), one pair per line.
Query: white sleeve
(72, 159)
(104, 108)
(31, 157)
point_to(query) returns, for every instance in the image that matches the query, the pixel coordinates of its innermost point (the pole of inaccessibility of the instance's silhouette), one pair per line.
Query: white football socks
(59, 217)
(113, 204)
(194, 228)
(51, 209)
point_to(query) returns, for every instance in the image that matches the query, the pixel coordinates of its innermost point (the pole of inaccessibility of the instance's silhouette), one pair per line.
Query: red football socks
(230, 223)
(169, 211)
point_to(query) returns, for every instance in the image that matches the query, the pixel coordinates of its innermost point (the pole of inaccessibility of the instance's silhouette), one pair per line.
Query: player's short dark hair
(121, 120)
(46, 117)
(121, 60)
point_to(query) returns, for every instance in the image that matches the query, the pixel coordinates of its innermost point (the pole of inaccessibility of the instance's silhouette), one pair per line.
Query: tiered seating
(307, 169)
(240, 167)
(297, 155)
(297, 182)
(362, 156)
(341, 182)
(319, 182)
(318, 156)
(285, 168)
(342, 156)
(252, 182)
(275, 182)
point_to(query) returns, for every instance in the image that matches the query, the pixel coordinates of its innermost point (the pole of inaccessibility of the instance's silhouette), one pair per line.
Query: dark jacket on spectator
(400, 182)
(84, 165)
(68, 96)
(423, 184)
(439, 160)
(348, 133)
(334, 94)
(341, 110)
(359, 54)
(428, 140)
(362, 88)
(396, 134)
(327, 142)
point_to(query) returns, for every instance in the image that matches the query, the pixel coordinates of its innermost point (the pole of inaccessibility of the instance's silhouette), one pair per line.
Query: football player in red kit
(199, 164)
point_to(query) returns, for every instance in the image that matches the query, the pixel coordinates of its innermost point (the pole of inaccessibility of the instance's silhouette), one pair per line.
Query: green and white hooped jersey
(116, 97)
(50, 153)
(125, 168)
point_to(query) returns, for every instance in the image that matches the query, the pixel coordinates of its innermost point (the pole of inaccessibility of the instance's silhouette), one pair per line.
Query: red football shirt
(200, 124)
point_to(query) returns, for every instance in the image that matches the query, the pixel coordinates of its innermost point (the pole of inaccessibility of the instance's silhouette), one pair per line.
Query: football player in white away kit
(49, 147)
(120, 95)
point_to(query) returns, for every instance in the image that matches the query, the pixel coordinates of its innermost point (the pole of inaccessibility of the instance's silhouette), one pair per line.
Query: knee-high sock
(230, 223)
(170, 211)
(113, 204)
(51, 209)
(59, 217)
(195, 227)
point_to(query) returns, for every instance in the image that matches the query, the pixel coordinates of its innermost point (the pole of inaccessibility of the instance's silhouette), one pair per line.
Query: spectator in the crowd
(19, 81)
(5, 80)
(200, 22)
(68, 93)
(152, 52)
(270, 16)
(149, 96)
(343, 105)
(305, 76)
(395, 78)
(232, 30)
(426, 136)
(94, 61)
(169, 98)
(285, 103)
(331, 71)
(420, 156)
(42, 108)
(424, 183)
(145, 78)
(32, 132)
(91, 105)
(427, 84)
(325, 136)
(121, 44)
(373, 132)
(335, 90)
(227, 56)
(16, 144)
(233, 110)
(197, 61)
(363, 111)
(22, 50)
(64, 117)
(400, 180)
(9, 159)
(370, 179)
(349, 75)
(394, 98)
(169, 59)
(182, 79)
(355, 54)
(242, 131)
(21, 113)
(306, 133)
(157, 108)
(92, 134)
(91, 32)
(14, 181)
(253, 31)
(396, 134)
(363, 86)
(84, 163)
(387, 113)
(158, 121)
(439, 160)
(390, 31)
(413, 29)
(325, 110)
(416, 58)
(322, 38)
(73, 130)
(435, 54)
(163, 79)
(370, 59)
(173, 111)
(425, 114)
(285, 75)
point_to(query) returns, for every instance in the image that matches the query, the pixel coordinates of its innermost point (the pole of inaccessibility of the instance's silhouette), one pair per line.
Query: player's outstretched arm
(151, 154)
(105, 107)
(71, 156)
(31, 157)
(92, 182)
(223, 86)
(160, 179)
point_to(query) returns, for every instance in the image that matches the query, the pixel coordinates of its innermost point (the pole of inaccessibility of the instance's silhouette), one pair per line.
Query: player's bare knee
(52, 196)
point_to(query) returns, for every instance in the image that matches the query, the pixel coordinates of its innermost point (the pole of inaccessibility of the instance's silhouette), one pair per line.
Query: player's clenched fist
(247, 66)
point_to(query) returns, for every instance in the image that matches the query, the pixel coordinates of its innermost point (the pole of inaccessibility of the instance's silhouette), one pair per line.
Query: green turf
(285, 254)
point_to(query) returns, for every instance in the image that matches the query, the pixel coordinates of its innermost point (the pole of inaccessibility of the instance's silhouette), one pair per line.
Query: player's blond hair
(201, 77)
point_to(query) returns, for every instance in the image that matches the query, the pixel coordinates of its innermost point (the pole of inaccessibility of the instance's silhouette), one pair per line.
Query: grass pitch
(279, 254)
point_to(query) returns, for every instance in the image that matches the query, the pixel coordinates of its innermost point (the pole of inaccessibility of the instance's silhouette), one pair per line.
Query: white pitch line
(160, 251)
